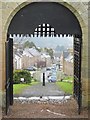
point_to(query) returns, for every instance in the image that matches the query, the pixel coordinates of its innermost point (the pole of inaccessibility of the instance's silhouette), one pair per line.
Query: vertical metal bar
(11, 69)
(9, 73)
(43, 79)
(77, 71)
(7, 77)
(80, 92)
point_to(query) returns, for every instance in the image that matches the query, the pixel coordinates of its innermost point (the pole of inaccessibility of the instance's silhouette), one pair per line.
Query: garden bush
(18, 74)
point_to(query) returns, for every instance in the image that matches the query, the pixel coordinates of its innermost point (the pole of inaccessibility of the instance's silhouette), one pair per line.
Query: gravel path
(50, 89)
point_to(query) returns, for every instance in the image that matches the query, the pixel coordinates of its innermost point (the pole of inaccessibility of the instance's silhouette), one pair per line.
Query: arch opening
(54, 14)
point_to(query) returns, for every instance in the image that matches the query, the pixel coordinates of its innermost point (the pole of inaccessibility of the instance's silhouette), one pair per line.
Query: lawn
(69, 78)
(17, 88)
(65, 86)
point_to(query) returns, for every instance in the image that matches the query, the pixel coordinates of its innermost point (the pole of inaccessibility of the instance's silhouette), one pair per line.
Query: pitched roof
(34, 52)
(45, 55)
(57, 54)
(65, 54)
(69, 58)
(27, 53)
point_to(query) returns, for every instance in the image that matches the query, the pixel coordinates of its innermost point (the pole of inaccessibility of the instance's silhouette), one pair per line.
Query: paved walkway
(50, 89)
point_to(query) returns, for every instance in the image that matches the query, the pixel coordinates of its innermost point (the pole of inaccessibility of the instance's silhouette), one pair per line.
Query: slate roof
(27, 53)
(69, 58)
(65, 54)
(34, 52)
(57, 54)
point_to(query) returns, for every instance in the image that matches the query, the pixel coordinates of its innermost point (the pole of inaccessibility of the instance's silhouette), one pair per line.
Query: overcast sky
(51, 42)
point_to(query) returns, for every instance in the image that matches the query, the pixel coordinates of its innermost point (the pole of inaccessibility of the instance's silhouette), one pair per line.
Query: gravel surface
(50, 89)
(46, 110)
(45, 99)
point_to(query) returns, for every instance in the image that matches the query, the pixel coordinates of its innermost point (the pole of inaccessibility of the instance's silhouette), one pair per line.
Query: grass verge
(65, 86)
(68, 78)
(18, 88)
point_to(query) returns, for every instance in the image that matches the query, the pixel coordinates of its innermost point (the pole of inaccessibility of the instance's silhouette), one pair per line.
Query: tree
(32, 45)
(18, 74)
(49, 51)
(28, 44)
(39, 49)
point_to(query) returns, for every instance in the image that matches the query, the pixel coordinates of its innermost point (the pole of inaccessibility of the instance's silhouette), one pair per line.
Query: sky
(50, 42)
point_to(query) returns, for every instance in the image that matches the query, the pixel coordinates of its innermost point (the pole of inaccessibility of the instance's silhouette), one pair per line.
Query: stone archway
(18, 6)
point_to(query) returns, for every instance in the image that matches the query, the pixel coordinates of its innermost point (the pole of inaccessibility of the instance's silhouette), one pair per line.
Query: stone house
(68, 65)
(46, 58)
(64, 55)
(17, 60)
(27, 59)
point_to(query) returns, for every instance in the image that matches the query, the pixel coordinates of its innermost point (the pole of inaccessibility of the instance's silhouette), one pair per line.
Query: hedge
(18, 74)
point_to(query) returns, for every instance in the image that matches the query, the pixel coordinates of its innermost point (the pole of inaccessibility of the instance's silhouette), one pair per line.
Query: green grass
(65, 86)
(69, 78)
(18, 88)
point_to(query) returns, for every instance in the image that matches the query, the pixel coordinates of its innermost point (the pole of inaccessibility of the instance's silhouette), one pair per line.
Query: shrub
(35, 80)
(18, 74)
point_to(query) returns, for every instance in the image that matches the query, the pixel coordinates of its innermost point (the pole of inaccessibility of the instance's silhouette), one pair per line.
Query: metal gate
(77, 71)
(9, 73)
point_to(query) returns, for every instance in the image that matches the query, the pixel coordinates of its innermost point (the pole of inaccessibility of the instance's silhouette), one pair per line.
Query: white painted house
(17, 61)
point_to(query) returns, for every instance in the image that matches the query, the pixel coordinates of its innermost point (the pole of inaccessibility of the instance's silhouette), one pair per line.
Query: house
(68, 65)
(27, 59)
(45, 57)
(57, 57)
(64, 55)
(17, 60)
(66, 62)
(36, 55)
(30, 57)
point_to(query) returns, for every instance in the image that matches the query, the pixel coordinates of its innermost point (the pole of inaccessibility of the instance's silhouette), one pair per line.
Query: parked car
(31, 68)
(52, 79)
(48, 69)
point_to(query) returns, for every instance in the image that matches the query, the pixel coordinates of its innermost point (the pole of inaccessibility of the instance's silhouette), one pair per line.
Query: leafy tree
(32, 45)
(26, 44)
(18, 74)
(38, 49)
(49, 51)
(29, 44)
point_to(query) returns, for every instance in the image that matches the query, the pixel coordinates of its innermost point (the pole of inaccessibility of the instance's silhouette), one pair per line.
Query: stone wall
(11, 7)
(89, 53)
(68, 68)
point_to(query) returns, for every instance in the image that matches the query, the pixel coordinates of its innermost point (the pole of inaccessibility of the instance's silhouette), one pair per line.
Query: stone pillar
(89, 54)
(84, 68)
